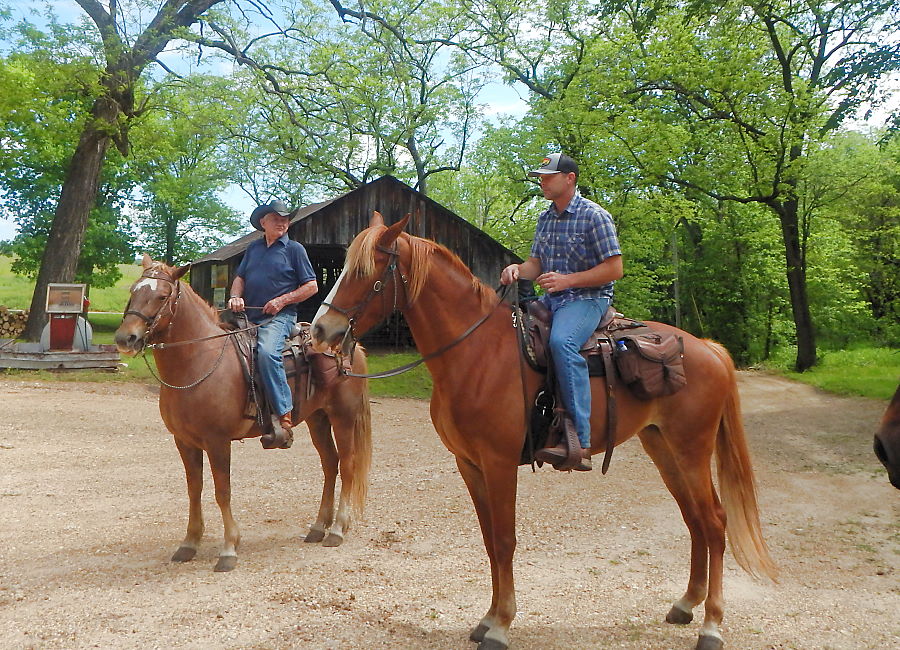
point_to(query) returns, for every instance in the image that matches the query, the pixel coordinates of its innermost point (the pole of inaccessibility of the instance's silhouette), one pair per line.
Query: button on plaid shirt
(577, 239)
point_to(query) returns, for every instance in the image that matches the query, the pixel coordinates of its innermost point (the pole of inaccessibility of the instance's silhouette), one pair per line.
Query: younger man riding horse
(576, 259)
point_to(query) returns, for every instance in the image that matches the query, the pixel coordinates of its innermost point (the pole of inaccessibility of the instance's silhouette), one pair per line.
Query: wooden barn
(327, 228)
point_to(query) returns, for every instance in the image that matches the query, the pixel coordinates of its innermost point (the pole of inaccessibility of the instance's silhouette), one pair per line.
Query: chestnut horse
(204, 395)
(478, 410)
(887, 440)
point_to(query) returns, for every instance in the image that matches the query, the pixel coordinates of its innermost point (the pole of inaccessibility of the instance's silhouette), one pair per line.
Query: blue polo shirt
(272, 271)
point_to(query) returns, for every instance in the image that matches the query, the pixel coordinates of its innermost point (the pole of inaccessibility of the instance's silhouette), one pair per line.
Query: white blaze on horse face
(331, 294)
(146, 282)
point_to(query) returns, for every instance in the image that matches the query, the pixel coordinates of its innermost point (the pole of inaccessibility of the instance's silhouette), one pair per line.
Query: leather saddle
(622, 350)
(305, 369)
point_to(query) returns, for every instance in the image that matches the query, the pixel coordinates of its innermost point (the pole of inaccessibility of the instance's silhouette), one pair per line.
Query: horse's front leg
(220, 464)
(493, 493)
(192, 457)
(320, 433)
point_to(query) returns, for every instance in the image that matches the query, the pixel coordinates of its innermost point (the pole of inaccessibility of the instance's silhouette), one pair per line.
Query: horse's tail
(737, 484)
(362, 438)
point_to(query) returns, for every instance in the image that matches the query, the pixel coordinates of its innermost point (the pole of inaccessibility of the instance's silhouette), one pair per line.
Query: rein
(439, 351)
(377, 288)
(155, 274)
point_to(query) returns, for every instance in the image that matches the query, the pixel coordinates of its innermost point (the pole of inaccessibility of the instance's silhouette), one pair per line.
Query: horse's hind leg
(687, 476)
(320, 432)
(192, 457)
(220, 464)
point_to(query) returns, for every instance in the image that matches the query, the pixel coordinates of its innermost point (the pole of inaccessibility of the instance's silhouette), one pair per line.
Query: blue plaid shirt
(578, 239)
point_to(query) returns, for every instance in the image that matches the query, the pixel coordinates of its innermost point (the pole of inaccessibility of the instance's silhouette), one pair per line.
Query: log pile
(12, 322)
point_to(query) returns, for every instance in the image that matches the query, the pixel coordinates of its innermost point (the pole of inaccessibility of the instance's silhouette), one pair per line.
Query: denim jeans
(270, 344)
(573, 323)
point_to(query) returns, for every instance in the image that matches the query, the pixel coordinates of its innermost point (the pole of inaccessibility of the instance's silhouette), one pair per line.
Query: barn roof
(302, 228)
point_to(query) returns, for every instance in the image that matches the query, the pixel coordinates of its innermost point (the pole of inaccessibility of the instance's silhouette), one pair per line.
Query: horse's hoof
(478, 632)
(708, 642)
(314, 536)
(492, 644)
(678, 616)
(226, 563)
(184, 554)
(333, 540)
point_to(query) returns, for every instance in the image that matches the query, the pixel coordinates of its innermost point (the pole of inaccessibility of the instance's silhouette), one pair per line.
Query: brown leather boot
(552, 455)
(282, 435)
(585, 465)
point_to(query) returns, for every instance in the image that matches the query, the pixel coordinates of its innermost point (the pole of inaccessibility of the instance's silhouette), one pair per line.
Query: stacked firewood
(12, 322)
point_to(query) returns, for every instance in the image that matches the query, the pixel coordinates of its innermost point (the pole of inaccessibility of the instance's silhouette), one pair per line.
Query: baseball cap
(263, 210)
(555, 163)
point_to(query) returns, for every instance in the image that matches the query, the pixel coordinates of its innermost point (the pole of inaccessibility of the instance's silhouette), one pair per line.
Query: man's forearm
(300, 294)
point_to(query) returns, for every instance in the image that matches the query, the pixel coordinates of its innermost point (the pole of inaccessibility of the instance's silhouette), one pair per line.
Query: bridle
(171, 302)
(350, 339)
(391, 271)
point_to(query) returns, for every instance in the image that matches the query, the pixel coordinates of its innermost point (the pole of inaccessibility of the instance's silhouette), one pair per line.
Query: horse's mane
(361, 262)
(186, 289)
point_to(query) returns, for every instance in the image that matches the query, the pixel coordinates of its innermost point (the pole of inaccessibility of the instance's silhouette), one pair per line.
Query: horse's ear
(376, 220)
(146, 261)
(389, 236)
(181, 270)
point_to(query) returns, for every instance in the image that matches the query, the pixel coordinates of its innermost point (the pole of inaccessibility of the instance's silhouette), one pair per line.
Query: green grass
(16, 291)
(864, 371)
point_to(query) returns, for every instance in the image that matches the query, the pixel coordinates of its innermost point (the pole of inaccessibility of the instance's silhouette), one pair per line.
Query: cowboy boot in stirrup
(281, 436)
(562, 423)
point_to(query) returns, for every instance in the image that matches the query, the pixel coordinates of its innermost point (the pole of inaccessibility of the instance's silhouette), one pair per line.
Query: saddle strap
(606, 348)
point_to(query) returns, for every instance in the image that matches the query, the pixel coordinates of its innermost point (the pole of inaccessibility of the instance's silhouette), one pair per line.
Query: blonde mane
(361, 263)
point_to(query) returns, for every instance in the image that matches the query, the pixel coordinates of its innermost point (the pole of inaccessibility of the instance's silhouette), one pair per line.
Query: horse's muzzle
(328, 331)
(129, 344)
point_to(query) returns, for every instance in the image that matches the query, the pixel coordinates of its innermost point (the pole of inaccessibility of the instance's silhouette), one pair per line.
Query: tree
(47, 84)
(752, 95)
(727, 108)
(344, 105)
(114, 107)
(180, 163)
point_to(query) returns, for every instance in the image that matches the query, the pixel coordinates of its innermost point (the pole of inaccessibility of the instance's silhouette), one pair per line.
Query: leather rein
(390, 275)
(153, 321)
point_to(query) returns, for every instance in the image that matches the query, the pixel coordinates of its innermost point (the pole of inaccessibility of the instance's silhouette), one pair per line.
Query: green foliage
(47, 87)
(182, 172)
(866, 371)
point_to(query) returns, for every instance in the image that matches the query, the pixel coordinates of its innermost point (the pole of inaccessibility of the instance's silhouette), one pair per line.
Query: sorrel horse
(887, 440)
(478, 410)
(204, 395)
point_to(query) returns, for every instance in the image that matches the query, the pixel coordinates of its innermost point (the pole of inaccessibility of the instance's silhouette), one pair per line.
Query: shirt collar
(571, 208)
(283, 239)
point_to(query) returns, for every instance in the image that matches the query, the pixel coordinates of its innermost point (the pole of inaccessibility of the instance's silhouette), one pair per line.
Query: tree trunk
(76, 200)
(796, 277)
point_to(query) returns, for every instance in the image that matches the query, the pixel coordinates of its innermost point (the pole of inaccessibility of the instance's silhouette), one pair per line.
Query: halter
(379, 285)
(152, 321)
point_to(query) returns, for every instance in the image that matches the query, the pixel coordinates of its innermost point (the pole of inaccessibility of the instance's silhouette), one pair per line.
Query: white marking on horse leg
(685, 605)
(710, 628)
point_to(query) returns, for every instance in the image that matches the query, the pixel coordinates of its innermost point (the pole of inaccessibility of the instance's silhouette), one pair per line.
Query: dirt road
(93, 503)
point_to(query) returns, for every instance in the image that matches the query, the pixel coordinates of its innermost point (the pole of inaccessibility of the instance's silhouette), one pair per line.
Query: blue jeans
(573, 323)
(270, 344)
